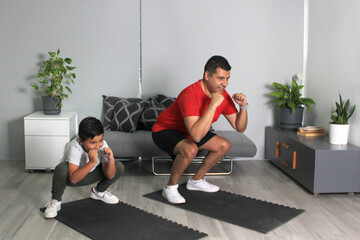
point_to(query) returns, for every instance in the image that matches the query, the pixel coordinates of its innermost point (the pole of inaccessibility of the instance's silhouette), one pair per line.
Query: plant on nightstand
(288, 99)
(339, 127)
(54, 77)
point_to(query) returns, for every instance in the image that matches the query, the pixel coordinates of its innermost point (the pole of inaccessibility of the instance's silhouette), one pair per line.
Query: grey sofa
(140, 144)
(128, 123)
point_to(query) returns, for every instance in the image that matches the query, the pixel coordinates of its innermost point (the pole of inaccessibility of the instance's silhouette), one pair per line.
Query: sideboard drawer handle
(277, 150)
(294, 160)
(287, 146)
(284, 163)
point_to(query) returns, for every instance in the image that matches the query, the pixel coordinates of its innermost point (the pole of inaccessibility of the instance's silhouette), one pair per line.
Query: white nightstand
(46, 137)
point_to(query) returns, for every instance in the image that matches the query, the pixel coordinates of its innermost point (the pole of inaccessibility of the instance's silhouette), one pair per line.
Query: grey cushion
(108, 108)
(241, 145)
(150, 114)
(128, 145)
(164, 100)
(133, 118)
(141, 144)
(126, 114)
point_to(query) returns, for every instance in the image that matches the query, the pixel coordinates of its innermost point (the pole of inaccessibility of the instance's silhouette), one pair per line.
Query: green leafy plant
(342, 112)
(289, 96)
(55, 74)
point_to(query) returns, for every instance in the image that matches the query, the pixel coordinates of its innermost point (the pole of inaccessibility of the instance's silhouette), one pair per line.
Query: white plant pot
(339, 133)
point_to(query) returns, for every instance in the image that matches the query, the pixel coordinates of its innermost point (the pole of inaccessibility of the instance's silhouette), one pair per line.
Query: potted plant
(339, 127)
(54, 77)
(290, 101)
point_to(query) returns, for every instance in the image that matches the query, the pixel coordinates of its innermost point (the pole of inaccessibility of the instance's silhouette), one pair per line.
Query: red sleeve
(189, 105)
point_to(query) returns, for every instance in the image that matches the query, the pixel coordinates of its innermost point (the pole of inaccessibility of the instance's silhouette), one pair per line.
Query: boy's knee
(62, 169)
(120, 168)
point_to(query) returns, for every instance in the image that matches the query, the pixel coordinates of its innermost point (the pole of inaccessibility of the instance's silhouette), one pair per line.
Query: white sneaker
(106, 196)
(52, 208)
(172, 195)
(201, 185)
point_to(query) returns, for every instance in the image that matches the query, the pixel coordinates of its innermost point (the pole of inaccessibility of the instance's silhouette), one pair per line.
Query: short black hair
(89, 128)
(216, 62)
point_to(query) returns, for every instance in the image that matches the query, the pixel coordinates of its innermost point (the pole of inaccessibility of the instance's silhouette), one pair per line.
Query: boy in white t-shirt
(87, 160)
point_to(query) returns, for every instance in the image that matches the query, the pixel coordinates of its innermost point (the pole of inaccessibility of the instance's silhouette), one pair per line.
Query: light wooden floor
(328, 216)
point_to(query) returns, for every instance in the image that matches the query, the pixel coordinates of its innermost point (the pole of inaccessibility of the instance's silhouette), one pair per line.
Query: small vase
(339, 133)
(51, 105)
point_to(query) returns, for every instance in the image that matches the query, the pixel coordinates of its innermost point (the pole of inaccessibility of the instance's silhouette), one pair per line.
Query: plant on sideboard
(339, 127)
(290, 101)
(343, 112)
(53, 80)
(289, 96)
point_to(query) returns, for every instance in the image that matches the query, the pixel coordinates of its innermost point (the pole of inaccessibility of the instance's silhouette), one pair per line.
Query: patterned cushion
(129, 114)
(108, 108)
(126, 114)
(165, 101)
(150, 114)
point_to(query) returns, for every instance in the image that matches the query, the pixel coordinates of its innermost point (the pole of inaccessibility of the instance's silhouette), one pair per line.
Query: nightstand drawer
(46, 137)
(44, 153)
(53, 127)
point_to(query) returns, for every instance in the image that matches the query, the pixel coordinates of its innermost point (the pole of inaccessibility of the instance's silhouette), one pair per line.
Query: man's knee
(223, 145)
(189, 152)
(226, 144)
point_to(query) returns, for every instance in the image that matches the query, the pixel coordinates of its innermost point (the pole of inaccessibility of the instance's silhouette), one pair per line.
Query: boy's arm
(109, 166)
(76, 174)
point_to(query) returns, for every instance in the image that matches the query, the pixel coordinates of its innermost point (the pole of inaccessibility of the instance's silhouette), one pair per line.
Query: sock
(195, 181)
(172, 186)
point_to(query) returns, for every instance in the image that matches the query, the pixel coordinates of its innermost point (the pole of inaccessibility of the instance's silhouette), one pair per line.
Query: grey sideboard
(313, 162)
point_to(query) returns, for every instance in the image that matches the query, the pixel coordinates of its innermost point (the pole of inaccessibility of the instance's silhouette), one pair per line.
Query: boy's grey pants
(61, 179)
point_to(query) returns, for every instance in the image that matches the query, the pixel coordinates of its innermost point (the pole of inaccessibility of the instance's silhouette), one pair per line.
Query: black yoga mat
(98, 220)
(257, 215)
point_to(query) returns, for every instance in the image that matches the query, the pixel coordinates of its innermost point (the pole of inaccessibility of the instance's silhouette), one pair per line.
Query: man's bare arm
(197, 126)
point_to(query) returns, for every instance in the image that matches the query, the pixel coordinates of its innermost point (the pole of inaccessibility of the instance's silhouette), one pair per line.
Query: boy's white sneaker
(106, 196)
(52, 208)
(172, 195)
(201, 185)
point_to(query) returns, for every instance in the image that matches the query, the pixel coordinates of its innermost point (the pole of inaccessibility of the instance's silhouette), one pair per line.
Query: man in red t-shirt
(183, 129)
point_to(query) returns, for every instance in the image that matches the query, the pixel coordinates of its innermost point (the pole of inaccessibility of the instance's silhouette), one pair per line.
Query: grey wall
(102, 38)
(262, 39)
(334, 60)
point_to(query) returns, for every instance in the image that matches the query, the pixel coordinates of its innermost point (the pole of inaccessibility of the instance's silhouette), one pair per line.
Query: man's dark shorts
(167, 140)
